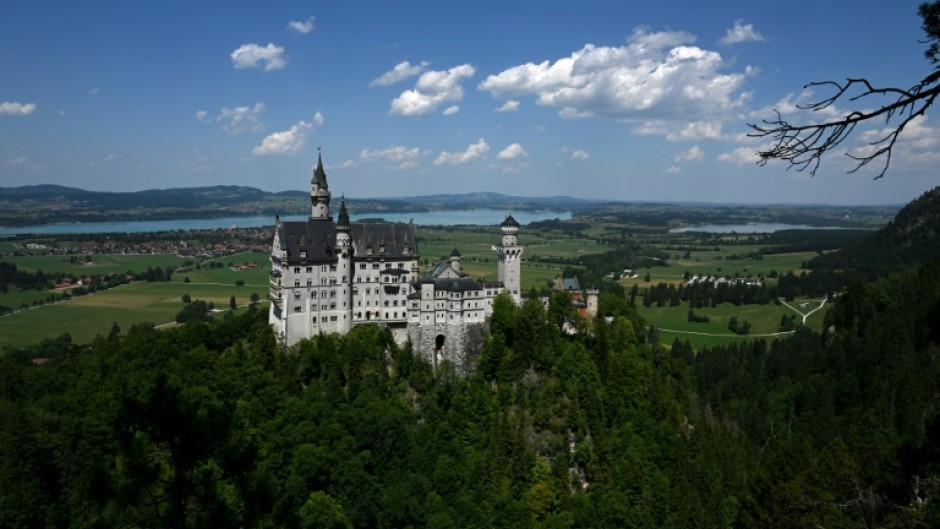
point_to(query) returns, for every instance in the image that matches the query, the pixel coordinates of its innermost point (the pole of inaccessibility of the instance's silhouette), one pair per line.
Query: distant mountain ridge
(229, 195)
(913, 237)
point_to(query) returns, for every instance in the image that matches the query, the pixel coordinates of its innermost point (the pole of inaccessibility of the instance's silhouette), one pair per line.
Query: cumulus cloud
(400, 72)
(740, 156)
(301, 26)
(15, 108)
(20, 160)
(741, 32)
(580, 155)
(509, 106)
(110, 157)
(241, 119)
(694, 154)
(288, 142)
(269, 57)
(432, 89)
(917, 146)
(658, 77)
(451, 110)
(512, 151)
(404, 157)
(672, 169)
(473, 152)
(202, 116)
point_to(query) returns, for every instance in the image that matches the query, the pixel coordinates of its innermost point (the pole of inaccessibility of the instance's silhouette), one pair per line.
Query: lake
(475, 217)
(755, 227)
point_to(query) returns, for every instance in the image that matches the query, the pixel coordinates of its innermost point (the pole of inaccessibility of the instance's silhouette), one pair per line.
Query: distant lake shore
(755, 227)
(473, 217)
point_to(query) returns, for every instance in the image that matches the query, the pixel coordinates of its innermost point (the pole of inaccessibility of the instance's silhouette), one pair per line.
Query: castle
(327, 277)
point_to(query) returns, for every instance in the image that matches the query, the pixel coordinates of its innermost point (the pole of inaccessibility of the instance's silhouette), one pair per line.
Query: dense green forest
(214, 425)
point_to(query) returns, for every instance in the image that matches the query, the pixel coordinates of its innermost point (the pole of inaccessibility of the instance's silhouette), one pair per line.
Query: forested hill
(912, 237)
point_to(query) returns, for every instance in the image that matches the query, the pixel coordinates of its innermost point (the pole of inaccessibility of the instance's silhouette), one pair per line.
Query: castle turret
(509, 254)
(319, 192)
(344, 268)
(455, 261)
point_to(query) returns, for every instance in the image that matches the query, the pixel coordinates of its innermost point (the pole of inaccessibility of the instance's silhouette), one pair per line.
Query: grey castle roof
(343, 219)
(318, 239)
(510, 222)
(463, 284)
(319, 175)
(455, 253)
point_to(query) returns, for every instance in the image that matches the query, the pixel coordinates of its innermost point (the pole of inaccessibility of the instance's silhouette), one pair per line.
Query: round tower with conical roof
(509, 254)
(319, 192)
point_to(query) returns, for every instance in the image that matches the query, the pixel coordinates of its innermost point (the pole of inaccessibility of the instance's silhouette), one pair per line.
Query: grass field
(764, 319)
(86, 316)
(102, 264)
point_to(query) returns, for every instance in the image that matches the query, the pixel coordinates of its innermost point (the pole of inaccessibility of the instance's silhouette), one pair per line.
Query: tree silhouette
(803, 145)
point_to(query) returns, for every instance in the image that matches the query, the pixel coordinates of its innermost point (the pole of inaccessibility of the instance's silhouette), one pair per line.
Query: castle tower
(455, 261)
(319, 192)
(509, 254)
(344, 269)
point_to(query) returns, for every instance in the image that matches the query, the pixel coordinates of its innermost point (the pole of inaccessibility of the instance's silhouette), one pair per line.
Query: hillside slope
(913, 237)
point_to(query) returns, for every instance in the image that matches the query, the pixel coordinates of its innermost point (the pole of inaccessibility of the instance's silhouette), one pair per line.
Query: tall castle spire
(319, 192)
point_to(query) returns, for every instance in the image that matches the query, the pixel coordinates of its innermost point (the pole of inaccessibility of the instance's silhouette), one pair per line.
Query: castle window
(309, 268)
(323, 281)
(355, 290)
(406, 249)
(297, 308)
(323, 268)
(296, 269)
(375, 266)
(332, 293)
(333, 306)
(296, 295)
(332, 318)
(296, 282)
(313, 294)
(369, 250)
(382, 249)
(332, 280)
(362, 266)
(332, 268)
(310, 282)
(323, 319)
(344, 280)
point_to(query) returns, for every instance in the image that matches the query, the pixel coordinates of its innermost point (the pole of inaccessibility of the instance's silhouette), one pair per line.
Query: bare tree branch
(803, 146)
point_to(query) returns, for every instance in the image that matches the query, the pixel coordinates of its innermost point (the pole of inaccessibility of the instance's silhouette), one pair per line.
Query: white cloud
(110, 158)
(740, 156)
(473, 152)
(580, 155)
(451, 110)
(301, 26)
(20, 160)
(509, 106)
(269, 57)
(398, 154)
(94, 91)
(656, 77)
(400, 72)
(241, 119)
(288, 142)
(432, 89)
(672, 169)
(516, 168)
(694, 154)
(512, 151)
(15, 108)
(741, 32)
(202, 116)
(347, 164)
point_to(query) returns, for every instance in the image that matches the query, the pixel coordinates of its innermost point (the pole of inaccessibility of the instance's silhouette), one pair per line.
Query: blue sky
(613, 100)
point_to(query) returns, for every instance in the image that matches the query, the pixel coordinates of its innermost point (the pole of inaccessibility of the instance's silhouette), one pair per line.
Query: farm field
(100, 264)
(764, 319)
(86, 316)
